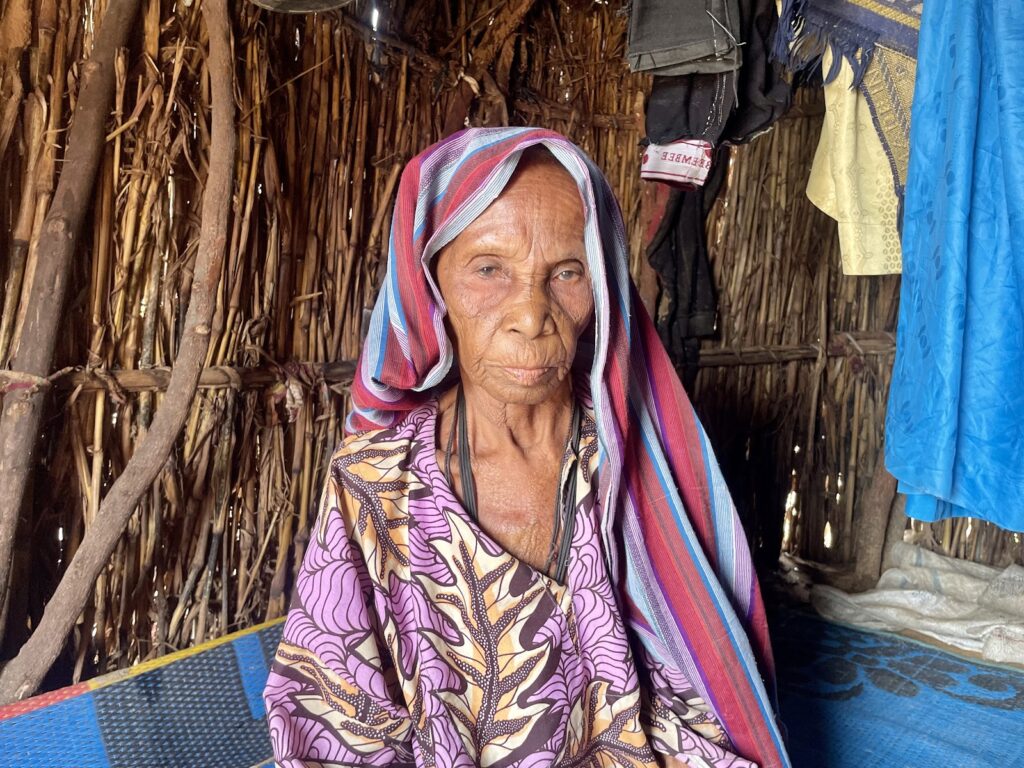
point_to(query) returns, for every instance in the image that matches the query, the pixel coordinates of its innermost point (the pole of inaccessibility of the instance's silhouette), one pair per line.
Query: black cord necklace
(565, 497)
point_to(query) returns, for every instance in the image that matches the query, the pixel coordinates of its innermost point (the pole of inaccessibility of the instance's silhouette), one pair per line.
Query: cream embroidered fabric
(851, 180)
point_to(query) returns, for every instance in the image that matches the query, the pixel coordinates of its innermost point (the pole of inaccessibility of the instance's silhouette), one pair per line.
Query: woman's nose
(529, 312)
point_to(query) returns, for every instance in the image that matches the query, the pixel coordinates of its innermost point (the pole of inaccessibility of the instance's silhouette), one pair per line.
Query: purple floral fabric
(414, 639)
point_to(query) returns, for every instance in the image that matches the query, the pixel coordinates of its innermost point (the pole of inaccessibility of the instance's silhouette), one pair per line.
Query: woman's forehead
(538, 197)
(540, 181)
(542, 197)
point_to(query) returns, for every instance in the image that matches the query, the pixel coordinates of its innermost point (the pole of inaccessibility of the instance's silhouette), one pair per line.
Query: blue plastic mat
(202, 708)
(854, 699)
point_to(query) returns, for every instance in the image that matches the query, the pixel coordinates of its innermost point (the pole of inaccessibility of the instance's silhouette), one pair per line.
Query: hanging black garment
(688, 306)
(726, 106)
(693, 106)
(763, 93)
(677, 37)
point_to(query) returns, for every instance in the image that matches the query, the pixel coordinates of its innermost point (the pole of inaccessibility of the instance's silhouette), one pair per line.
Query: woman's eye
(487, 270)
(567, 275)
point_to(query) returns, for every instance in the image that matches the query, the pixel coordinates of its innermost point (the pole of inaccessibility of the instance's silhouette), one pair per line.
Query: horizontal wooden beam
(340, 373)
(841, 345)
(213, 377)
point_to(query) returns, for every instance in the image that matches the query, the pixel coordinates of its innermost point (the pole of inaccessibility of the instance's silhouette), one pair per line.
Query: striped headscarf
(673, 542)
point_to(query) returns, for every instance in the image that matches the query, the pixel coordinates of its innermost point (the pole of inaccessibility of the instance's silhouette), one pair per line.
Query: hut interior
(186, 272)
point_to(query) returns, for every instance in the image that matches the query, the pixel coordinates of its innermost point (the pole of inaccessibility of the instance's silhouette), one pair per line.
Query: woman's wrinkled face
(517, 287)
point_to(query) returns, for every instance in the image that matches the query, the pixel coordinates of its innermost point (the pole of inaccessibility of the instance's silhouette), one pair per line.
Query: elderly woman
(525, 554)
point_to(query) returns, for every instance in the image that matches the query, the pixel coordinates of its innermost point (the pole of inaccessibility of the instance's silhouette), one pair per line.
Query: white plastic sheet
(966, 605)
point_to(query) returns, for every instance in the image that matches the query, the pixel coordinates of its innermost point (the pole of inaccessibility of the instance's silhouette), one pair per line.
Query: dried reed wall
(329, 111)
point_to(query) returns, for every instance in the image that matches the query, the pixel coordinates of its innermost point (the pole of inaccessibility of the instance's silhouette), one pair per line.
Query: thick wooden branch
(23, 411)
(502, 27)
(24, 673)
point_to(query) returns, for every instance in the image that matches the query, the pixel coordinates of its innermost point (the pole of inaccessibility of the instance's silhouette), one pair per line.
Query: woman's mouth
(529, 376)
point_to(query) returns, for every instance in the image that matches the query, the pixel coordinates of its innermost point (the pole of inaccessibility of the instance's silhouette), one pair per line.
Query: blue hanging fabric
(955, 425)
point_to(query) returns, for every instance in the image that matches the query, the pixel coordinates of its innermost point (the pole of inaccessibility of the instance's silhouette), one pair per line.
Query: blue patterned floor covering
(851, 698)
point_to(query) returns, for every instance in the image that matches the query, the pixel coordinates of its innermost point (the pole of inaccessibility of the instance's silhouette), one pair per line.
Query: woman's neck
(499, 428)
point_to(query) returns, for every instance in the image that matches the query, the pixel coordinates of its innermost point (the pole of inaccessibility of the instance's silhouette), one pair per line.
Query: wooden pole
(23, 674)
(23, 406)
(875, 510)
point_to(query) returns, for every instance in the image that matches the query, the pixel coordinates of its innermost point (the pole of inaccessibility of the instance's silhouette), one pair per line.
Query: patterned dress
(415, 639)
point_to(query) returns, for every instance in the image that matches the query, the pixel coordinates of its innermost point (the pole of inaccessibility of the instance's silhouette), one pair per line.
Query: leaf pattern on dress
(366, 727)
(604, 731)
(376, 478)
(414, 639)
(492, 657)
(673, 701)
(589, 444)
